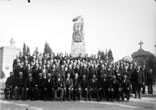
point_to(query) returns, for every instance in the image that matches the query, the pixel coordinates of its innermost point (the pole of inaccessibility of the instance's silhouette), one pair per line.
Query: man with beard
(150, 81)
(110, 71)
(116, 88)
(10, 83)
(71, 71)
(84, 70)
(36, 71)
(19, 86)
(133, 70)
(62, 71)
(144, 70)
(29, 87)
(78, 70)
(76, 85)
(92, 71)
(16, 68)
(54, 71)
(68, 87)
(59, 89)
(126, 88)
(84, 87)
(109, 86)
(101, 71)
(103, 86)
(139, 81)
(93, 87)
(40, 81)
(48, 87)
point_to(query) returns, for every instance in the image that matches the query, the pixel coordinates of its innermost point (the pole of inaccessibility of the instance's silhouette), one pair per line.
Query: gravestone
(78, 42)
(7, 55)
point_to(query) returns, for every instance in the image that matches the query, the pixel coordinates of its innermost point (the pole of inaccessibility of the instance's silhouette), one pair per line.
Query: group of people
(58, 77)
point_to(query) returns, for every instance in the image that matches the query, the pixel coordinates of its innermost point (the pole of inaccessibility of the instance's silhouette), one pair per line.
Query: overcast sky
(108, 24)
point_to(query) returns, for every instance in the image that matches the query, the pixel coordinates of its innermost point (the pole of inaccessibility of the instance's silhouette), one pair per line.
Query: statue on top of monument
(78, 29)
(12, 42)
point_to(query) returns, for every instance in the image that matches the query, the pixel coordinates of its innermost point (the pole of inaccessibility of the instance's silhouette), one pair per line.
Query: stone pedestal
(78, 49)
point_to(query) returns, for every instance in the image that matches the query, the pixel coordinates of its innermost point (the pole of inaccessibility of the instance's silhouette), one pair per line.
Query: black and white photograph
(78, 54)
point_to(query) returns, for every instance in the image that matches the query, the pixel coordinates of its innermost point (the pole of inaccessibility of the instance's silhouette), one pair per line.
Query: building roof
(141, 53)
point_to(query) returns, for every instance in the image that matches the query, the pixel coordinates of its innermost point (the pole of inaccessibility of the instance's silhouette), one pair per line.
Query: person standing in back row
(150, 81)
(144, 70)
(139, 81)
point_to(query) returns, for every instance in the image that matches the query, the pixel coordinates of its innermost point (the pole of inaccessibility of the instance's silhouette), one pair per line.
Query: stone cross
(140, 43)
(12, 41)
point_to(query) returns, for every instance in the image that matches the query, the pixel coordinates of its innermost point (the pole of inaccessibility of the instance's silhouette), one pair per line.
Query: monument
(78, 41)
(7, 55)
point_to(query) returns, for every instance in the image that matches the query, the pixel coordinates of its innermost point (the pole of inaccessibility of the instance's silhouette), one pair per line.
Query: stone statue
(78, 32)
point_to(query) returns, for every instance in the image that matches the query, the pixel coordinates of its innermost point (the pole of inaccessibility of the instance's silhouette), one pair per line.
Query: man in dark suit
(133, 71)
(84, 71)
(144, 71)
(139, 81)
(92, 71)
(10, 83)
(71, 71)
(19, 86)
(110, 71)
(40, 81)
(76, 85)
(150, 81)
(29, 87)
(53, 71)
(16, 68)
(93, 87)
(116, 88)
(84, 87)
(48, 88)
(103, 86)
(126, 88)
(35, 71)
(62, 71)
(60, 84)
(101, 72)
(109, 86)
(68, 87)
(78, 70)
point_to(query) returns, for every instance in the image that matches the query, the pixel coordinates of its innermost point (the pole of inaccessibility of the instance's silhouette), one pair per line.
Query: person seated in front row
(68, 87)
(10, 83)
(59, 89)
(19, 86)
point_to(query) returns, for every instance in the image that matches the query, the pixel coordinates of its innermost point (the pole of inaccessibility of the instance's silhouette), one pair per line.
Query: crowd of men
(61, 77)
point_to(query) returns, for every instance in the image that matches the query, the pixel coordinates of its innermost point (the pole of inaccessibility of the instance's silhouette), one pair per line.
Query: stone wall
(1, 60)
(6, 60)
